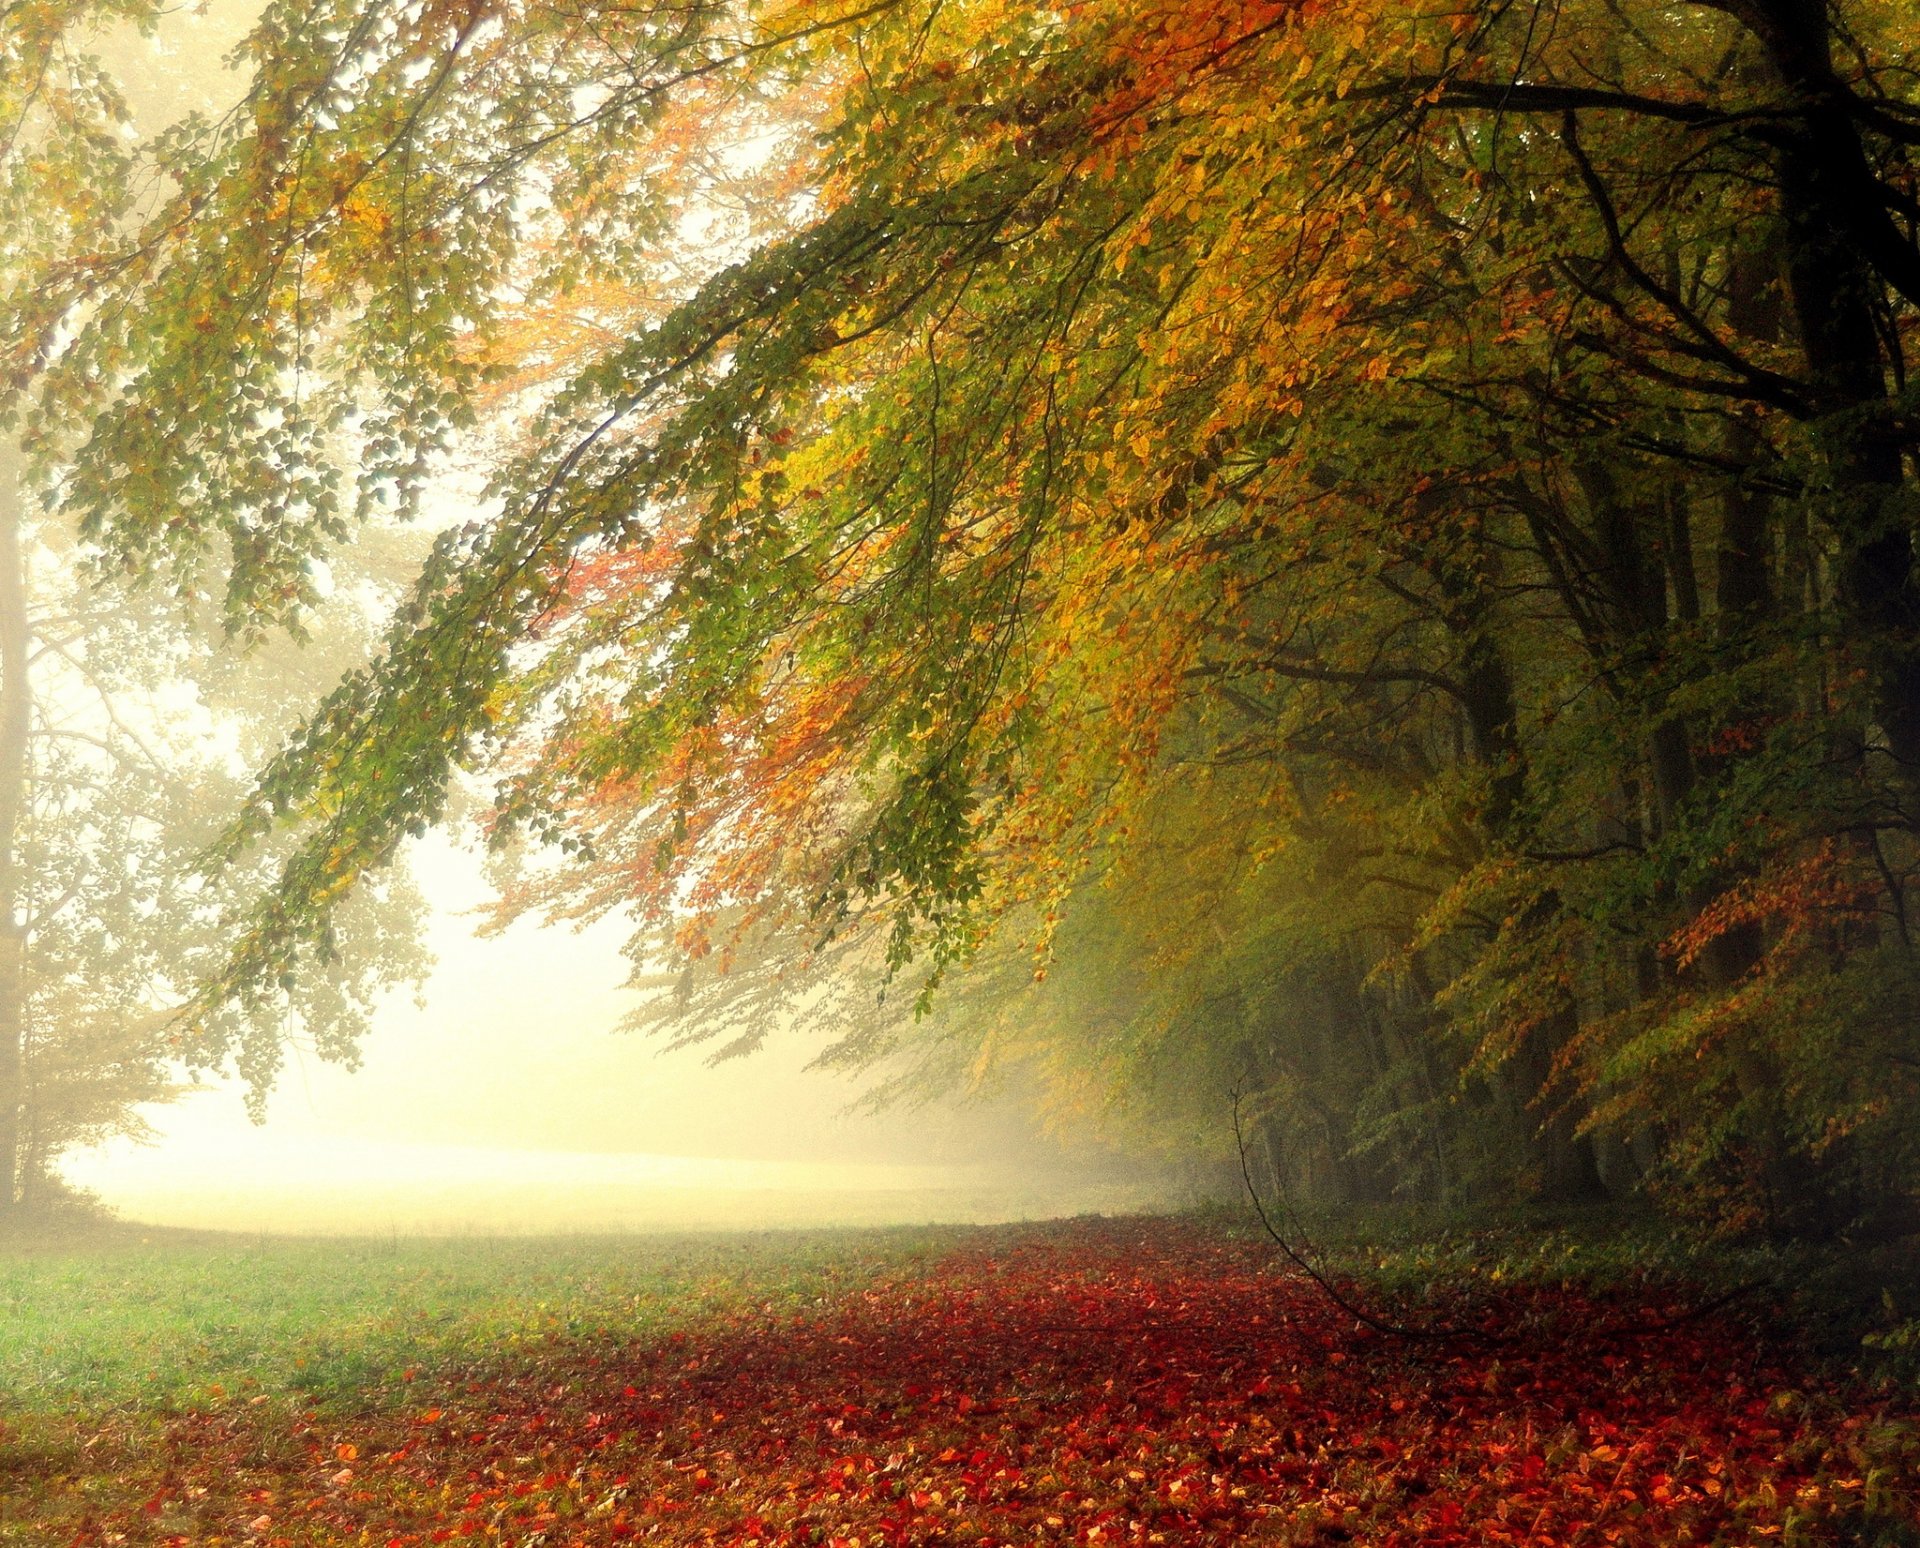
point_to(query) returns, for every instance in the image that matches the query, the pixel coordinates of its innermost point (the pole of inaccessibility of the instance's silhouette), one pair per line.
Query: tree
(1484, 428)
(130, 753)
(121, 732)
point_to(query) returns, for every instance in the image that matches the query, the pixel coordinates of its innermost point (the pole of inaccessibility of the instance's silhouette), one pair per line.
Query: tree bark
(15, 703)
(1838, 258)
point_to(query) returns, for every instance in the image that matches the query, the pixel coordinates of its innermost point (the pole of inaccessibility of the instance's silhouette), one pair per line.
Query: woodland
(1338, 566)
(1323, 590)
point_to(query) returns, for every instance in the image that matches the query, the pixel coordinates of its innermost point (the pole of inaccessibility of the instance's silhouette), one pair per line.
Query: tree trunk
(1832, 205)
(1841, 251)
(1742, 586)
(15, 701)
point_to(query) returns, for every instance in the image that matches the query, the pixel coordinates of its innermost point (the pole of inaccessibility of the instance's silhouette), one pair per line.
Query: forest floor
(1132, 1381)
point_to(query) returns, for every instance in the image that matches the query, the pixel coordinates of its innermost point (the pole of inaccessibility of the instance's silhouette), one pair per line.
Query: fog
(503, 1100)
(320, 1184)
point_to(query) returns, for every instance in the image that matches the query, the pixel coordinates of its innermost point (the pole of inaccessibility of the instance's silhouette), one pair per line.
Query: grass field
(127, 1319)
(1139, 1381)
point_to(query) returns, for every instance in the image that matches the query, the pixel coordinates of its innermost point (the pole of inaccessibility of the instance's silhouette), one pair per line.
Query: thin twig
(1359, 1313)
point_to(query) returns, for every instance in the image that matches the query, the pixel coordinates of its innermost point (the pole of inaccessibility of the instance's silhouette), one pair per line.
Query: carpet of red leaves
(1116, 1382)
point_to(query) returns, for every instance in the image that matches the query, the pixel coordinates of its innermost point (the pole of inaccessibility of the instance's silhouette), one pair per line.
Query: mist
(500, 1097)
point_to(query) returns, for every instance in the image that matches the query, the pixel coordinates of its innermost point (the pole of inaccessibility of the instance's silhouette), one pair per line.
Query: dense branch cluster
(1353, 549)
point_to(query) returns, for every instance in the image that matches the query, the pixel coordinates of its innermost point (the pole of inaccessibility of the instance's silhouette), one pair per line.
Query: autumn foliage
(1357, 552)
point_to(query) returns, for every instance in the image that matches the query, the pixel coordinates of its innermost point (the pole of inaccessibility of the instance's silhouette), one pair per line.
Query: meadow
(1100, 1381)
(126, 1319)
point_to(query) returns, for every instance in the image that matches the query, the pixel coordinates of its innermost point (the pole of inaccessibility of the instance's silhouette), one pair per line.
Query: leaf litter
(1098, 1382)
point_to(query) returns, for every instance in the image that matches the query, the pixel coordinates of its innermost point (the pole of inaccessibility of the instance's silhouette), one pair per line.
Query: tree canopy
(1358, 550)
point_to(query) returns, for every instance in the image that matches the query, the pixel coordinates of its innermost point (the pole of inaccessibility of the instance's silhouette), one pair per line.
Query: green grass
(123, 1319)
(161, 1320)
(1853, 1303)
(1404, 1249)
